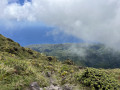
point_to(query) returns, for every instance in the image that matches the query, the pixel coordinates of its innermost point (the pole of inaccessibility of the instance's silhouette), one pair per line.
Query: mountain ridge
(90, 55)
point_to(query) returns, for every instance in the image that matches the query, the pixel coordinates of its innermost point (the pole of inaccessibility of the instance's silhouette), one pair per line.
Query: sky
(28, 33)
(59, 21)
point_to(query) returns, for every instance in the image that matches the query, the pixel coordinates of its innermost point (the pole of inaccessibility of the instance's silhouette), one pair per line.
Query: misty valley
(83, 54)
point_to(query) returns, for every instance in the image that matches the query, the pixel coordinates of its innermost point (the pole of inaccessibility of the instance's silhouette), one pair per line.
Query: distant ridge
(96, 55)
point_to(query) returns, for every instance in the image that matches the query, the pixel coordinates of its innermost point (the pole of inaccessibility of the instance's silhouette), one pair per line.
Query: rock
(52, 87)
(67, 87)
(34, 86)
(41, 88)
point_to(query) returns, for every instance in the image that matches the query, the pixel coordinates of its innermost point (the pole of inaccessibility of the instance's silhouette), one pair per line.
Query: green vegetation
(89, 55)
(98, 79)
(20, 66)
(8, 45)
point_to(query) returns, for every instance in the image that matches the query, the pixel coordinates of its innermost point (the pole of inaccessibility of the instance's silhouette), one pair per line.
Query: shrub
(51, 58)
(69, 62)
(98, 79)
(65, 68)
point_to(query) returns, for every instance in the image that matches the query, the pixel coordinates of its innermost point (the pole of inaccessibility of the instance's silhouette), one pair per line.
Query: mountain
(90, 55)
(8, 45)
(25, 69)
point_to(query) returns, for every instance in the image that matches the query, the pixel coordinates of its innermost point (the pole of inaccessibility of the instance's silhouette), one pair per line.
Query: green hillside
(90, 55)
(24, 69)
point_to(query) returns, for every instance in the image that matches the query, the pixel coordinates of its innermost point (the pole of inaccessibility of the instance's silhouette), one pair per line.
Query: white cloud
(91, 20)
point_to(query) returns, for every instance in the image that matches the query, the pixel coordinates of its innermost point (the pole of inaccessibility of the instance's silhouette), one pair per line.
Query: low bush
(98, 79)
(69, 62)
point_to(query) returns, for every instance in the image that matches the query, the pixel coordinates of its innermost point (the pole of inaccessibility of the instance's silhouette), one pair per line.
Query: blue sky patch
(21, 2)
(32, 33)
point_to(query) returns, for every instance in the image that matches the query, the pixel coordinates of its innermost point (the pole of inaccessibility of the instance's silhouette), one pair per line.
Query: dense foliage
(98, 79)
(90, 55)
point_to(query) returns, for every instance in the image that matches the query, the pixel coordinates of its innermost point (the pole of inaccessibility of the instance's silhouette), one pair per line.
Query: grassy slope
(20, 66)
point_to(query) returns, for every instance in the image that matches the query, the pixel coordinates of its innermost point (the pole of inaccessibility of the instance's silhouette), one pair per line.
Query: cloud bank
(90, 20)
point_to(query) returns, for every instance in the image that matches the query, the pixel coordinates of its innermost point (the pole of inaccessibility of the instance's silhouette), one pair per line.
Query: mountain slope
(90, 55)
(8, 45)
(21, 68)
